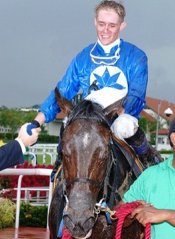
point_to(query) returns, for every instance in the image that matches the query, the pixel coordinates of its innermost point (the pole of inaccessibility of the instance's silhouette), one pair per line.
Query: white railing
(45, 150)
(24, 171)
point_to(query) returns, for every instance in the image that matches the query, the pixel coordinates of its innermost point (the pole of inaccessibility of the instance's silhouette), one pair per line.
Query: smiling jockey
(116, 68)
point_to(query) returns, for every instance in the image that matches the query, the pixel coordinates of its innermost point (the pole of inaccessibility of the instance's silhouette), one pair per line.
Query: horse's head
(85, 155)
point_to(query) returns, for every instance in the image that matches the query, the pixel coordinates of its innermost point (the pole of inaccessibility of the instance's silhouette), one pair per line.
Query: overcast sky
(38, 39)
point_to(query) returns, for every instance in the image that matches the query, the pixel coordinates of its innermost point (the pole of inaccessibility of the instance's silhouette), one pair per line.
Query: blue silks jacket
(124, 68)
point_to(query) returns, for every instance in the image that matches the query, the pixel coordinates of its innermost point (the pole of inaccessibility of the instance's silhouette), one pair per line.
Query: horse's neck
(130, 155)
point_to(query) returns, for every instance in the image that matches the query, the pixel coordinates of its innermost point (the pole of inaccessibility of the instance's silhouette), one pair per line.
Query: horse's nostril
(68, 222)
(89, 223)
(79, 228)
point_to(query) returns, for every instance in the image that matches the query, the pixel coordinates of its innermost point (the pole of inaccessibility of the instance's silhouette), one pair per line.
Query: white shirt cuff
(23, 148)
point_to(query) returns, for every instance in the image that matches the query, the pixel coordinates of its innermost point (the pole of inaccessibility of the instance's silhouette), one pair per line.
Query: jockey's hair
(110, 4)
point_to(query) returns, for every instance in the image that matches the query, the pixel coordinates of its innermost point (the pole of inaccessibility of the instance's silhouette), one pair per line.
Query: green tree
(13, 119)
(149, 128)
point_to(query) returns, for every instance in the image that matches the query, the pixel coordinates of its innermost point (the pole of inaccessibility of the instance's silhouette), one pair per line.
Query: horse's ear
(65, 105)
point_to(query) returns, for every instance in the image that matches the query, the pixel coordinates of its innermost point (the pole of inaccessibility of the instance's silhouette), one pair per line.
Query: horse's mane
(88, 110)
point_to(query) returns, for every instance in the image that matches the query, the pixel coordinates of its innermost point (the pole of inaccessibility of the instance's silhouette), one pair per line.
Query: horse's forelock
(88, 110)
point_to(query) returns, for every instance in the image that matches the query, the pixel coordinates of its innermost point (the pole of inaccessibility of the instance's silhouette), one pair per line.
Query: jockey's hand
(24, 138)
(33, 125)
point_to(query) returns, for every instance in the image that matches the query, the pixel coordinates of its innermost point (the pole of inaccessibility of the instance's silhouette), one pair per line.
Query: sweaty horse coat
(87, 162)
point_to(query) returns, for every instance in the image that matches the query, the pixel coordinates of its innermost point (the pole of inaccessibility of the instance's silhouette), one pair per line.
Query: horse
(89, 177)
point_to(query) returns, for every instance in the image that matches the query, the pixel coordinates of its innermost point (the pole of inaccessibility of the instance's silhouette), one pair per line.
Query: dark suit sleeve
(10, 155)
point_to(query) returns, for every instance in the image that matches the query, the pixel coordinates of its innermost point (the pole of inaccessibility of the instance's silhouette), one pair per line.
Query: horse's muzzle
(78, 226)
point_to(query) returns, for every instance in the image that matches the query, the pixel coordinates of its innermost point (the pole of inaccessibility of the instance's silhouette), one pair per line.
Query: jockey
(105, 71)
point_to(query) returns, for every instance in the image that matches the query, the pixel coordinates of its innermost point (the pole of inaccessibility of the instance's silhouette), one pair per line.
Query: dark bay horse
(88, 172)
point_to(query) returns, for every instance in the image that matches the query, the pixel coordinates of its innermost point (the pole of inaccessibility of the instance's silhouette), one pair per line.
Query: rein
(121, 213)
(83, 180)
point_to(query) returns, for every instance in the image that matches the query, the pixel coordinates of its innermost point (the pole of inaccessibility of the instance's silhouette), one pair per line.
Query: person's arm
(24, 138)
(172, 138)
(138, 79)
(149, 214)
(11, 154)
(68, 86)
(48, 109)
(40, 118)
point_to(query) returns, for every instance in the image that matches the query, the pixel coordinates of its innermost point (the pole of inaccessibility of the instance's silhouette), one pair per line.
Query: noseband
(83, 180)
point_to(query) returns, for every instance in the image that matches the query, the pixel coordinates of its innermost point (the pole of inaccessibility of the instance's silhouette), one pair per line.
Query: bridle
(100, 206)
(84, 180)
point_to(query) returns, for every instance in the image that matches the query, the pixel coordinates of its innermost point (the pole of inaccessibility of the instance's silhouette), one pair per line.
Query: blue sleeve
(68, 87)
(137, 86)
(133, 106)
(70, 83)
(50, 107)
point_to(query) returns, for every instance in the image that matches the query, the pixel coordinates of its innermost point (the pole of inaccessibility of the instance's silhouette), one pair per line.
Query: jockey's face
(108, 26)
